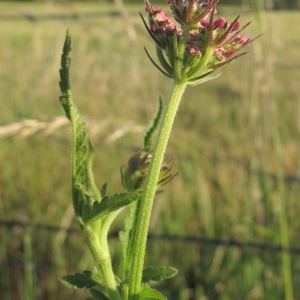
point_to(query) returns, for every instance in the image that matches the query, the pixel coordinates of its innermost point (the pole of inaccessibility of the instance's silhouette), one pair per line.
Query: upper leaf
(84, 188)
(64, 75)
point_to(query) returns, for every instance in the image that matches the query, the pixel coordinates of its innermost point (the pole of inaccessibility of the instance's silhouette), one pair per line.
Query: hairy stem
(143, 220)
(101, 255)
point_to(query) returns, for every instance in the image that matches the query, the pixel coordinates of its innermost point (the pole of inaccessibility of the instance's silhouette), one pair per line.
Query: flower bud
(135, 174)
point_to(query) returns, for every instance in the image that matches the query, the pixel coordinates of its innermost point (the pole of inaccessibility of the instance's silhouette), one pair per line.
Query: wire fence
(58, 16)
(165, 237)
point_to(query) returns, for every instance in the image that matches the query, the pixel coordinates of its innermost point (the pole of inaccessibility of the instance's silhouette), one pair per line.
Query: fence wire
(163, 237)
(58, 16)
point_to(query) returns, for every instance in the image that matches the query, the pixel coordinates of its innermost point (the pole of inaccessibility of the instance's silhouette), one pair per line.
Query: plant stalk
(143, 220)
(100, 252)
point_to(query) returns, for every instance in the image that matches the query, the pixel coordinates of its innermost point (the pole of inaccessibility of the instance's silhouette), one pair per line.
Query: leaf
(149, 294)
(103, 190)
(98, 295)
(153, 124)
(158, 273)
(79, 280)
(98, 210)
(83, 185)
(64, 75)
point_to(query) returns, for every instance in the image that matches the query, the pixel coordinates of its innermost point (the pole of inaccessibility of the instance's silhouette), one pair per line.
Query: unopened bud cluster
(199, 45)
(135, 174)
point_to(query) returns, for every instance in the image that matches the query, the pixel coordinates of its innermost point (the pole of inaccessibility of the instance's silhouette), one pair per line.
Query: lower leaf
(79, 280)
(149, 294)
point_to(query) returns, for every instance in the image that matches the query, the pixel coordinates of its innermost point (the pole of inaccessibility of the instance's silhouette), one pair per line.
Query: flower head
(199, 44)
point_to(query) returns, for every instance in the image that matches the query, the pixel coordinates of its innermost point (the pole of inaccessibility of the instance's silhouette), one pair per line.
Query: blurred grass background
(235, 140)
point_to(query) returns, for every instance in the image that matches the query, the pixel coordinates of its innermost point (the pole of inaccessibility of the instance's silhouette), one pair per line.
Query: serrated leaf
(64, 75)
(98, 210)
(158, 273)
(84, 189)
(79, 280)
(98, 295)
(149, 294)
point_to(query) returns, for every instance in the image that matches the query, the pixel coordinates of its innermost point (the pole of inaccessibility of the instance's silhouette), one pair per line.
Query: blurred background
(229, 222)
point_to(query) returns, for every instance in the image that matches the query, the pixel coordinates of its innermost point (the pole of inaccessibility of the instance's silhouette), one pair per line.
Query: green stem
(143, 220)
(100, 252)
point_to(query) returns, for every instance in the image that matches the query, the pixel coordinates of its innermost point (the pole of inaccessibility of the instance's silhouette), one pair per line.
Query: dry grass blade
(29, 127)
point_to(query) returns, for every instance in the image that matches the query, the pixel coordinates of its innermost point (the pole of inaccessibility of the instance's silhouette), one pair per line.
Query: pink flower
(220, 23)
(207, 43)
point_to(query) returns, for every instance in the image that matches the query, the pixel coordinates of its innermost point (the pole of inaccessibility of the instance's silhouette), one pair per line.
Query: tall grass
(233, 181)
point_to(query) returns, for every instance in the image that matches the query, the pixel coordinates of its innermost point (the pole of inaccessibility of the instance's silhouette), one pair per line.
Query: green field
(235, 140)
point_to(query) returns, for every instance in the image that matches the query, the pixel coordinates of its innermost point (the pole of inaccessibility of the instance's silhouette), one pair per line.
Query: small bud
(135, 174)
